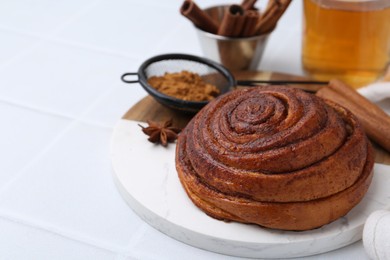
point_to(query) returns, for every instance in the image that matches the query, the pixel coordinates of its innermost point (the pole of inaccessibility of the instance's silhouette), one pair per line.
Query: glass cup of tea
(346, 39)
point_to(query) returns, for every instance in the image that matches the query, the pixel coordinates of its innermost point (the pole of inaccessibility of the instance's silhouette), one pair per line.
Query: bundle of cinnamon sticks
(239, 20)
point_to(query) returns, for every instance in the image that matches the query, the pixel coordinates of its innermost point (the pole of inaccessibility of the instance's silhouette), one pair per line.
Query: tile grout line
(46, 38)
(50, 38)
(136, 236)
(76, 120)
(51, 113)
(42, 226)
(166, 38)
(54, 141)
(49, 228)
(19, 32)
(70, 43)
(34, 108)
(91, 47)
(128, 250)
(63, 233)
(81, 118)
(39, 155)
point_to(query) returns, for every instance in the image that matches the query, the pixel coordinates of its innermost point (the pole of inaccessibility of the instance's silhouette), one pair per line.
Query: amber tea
(349, 40)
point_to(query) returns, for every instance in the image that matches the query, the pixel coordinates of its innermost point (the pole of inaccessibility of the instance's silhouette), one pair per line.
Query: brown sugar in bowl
(210, 71)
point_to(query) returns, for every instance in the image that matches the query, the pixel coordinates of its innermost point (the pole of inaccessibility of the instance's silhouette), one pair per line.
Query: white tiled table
(61, 95)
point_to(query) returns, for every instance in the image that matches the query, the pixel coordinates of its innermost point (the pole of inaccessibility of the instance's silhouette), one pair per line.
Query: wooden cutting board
(149, 109)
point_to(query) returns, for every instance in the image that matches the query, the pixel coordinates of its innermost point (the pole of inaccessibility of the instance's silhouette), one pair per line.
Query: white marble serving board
(145, 175)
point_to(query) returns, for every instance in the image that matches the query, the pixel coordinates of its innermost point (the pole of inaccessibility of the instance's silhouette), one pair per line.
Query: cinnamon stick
(283, 5)
(373, 119)
(386, 77)
(275, 9)
(248, 4)
(200, 19)
(264, 22)
(232, 21)
(251, 19)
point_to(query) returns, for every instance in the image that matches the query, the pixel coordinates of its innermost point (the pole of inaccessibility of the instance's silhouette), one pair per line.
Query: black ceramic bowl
(210, 71)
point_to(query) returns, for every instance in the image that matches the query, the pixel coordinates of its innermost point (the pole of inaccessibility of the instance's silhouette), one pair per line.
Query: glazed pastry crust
(274, 156)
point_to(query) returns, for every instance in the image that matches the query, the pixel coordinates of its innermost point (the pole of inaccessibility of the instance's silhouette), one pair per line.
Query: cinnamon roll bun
(276, 157)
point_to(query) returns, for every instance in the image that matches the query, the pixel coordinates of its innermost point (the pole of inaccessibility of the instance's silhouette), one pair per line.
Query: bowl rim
(225, 38)
(233, 39)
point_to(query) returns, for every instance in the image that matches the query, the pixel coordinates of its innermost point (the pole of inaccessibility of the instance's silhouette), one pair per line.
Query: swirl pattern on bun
(274, 156)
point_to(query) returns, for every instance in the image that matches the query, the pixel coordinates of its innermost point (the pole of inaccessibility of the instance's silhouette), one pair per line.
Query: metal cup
(234, 53)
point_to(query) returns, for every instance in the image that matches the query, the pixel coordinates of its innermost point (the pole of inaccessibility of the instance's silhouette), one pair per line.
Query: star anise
(161, 133)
